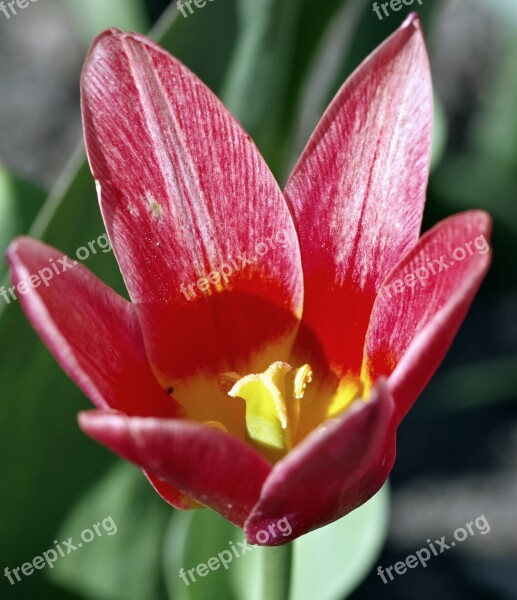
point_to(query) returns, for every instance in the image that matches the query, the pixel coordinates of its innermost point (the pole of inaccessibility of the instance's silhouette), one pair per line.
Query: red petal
(412, 327)
(335, 470)
(183, 191)
(210, 466)
(358, 190)
(92, 332)
(170, 494)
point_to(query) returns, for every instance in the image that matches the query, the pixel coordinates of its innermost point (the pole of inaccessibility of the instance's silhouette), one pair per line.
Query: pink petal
(335, 470)
(413, 326)
(358, 191)
(184, 192)
(210, 466)
(92, 332)
(170, 494)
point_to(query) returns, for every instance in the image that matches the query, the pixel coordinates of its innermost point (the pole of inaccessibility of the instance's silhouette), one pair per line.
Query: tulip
(273, 341)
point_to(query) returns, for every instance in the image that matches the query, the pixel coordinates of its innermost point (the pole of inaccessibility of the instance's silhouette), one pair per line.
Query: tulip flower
(274, 340)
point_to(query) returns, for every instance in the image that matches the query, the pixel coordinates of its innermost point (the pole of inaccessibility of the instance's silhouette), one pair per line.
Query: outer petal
(184, 192)
(412, 326)
(170, 494)
(358, 191)
(92, 332)
(335, 470)
(213, 467)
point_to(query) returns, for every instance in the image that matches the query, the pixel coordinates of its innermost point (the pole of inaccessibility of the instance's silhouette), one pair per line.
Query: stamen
(301, 379)
(216, 425)
(272, 406)
(227, 380)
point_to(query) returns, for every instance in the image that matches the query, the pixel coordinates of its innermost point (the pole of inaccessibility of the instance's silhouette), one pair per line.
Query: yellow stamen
(273, 406)
(216, 425)
(302, 378)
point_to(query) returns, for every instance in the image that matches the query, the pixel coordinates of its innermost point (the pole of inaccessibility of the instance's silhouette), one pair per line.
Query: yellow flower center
(272, 406)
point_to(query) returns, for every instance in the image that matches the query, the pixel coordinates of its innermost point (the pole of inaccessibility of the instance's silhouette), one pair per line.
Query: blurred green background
(276, 64)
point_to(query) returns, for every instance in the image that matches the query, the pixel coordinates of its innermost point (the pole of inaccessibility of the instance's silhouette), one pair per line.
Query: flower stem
(277, 572)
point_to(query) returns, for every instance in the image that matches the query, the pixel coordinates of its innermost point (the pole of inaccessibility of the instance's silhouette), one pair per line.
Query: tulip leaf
(123, 562)
(345, 42)
(192, 539)
(495, 125)
(94, 16)
(440, 132)
(20, 202)
(321, 80)
(255, 87)
(490, 185)
(39, 440)
(506, 10)
(328, 563)
(273, 49)
(204, 41)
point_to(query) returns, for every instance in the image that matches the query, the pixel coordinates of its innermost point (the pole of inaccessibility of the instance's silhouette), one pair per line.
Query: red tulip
(273, 342)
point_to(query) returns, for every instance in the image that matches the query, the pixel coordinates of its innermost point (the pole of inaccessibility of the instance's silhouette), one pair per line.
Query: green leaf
(42, 449)
(20, 202)
(192, 538)
(345, 42)
(323, 73)
(440, 133)
(256, 85)
(505, 10)
(331, 562)
(468, 182)
(276, 41)
(328, 563)
(204, 41)
(123, 563)
(495, 124)
(94, 16)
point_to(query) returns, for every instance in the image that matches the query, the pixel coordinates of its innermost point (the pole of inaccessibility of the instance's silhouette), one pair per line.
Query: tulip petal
(185, 194)
(358, 191)
(170, 494)
(414, 321)
(210, 466)
(92, 332)
(335, 470)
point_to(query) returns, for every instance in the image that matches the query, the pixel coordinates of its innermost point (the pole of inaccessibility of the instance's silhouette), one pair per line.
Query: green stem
(277, 572)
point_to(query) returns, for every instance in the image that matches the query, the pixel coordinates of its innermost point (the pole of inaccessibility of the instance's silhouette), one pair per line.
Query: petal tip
(14, 254)
(12, 251)
(412, 20)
